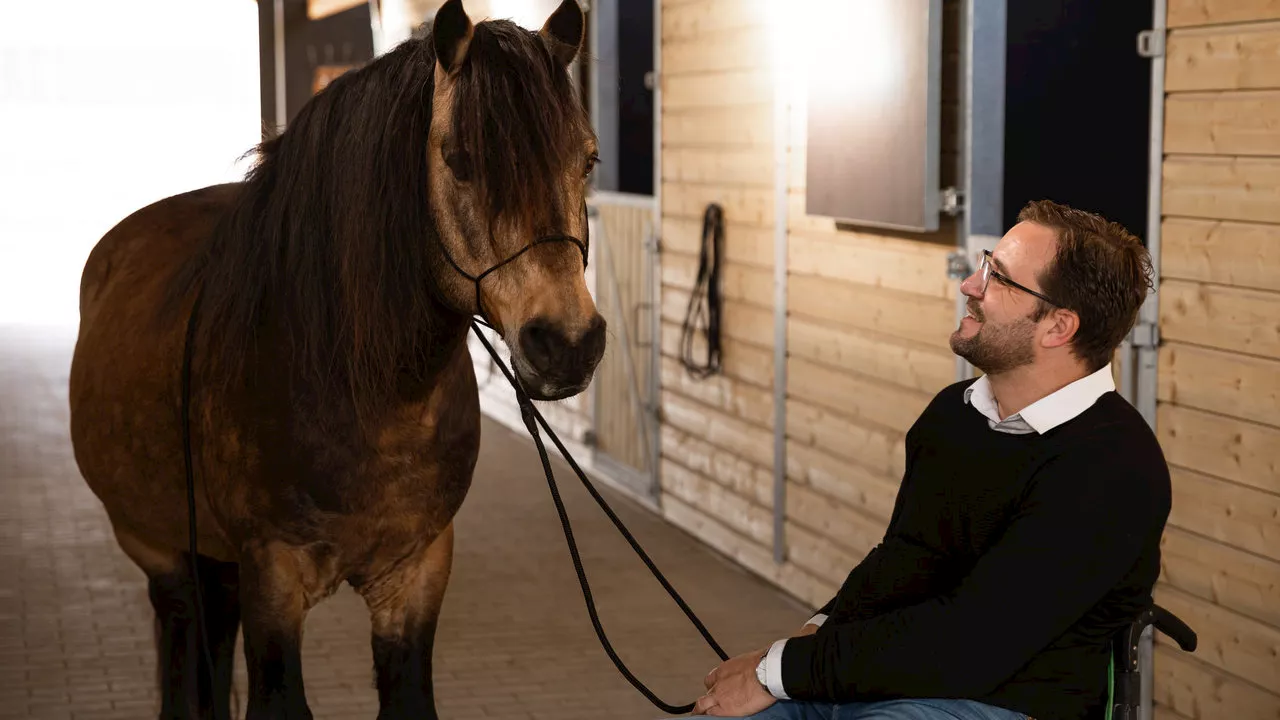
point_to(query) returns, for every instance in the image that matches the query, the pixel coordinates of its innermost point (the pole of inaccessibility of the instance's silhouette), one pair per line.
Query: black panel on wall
(1078, 103)
(635, 101)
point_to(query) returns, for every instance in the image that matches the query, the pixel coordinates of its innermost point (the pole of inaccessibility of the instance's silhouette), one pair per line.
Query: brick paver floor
(514, 642)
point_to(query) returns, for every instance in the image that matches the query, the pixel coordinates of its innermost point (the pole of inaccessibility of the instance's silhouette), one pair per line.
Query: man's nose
(970, 286)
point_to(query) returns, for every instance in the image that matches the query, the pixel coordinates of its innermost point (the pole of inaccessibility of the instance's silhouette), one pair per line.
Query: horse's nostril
(542, 344)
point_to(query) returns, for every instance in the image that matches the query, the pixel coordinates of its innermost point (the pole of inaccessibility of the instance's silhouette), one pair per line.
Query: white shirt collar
(1049, 411)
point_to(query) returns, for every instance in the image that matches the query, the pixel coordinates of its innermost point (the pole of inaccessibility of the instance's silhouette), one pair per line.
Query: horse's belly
(124, 381)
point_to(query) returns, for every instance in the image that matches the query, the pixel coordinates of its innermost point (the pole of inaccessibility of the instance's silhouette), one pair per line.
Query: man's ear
(1062, 331)
(564, 31)
(451, 32)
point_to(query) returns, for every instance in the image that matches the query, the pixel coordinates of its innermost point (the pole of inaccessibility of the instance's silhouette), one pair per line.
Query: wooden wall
(868, 318)
(1219, 370)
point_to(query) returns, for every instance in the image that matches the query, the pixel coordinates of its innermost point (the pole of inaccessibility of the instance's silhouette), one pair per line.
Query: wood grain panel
(738, 283)
(857, 397)
(723, 166)
(1198, 691)
(1238, 581)
(1230, 448)
(1223, 123)
(1220, 382)
(740, 321)
(743, 244)
(743, 205)
(718, 429)
(858, 487)
(1226, 318)
(1228, 253)
(738, 126)
(845, 526)
(1245, 648)
(739, 475)
(734, 48)
(719, 502)
(1183, 13)
(882, 450)
(1222, 188)
(1236, 57)
(704, 17)
(1232, 514)
(741, 400)
(722, 89)
(873, 260)
(741, 361)
(924, 319)
(902, 362)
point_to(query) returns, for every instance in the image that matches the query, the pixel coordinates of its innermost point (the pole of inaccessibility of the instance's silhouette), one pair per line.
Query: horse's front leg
(404, 606)
(274, 606)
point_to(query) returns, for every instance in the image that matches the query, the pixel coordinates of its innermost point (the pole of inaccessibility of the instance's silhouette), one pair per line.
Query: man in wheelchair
(1026, 533)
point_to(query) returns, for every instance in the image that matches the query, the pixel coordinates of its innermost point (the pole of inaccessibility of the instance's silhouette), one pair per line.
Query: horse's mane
(329, 248)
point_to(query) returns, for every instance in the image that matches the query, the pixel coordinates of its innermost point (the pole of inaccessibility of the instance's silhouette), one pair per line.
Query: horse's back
(124, 383)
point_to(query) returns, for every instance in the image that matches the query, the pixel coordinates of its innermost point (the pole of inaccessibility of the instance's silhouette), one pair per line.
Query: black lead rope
(532, 418)
(704, 301)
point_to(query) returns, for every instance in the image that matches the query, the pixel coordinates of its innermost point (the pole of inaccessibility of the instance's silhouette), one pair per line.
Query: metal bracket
(958, 265)
(1151, 43)
(650, 80)
(952, 201)
(1145, 335)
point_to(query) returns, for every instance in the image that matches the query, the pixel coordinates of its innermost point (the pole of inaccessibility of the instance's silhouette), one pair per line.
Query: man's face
(998, 334)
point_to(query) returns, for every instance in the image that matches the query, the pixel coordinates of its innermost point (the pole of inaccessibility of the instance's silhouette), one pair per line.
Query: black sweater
(1008, 566)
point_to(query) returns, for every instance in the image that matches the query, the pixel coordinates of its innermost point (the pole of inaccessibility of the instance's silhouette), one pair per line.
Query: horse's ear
(564, 31)
(451, 32)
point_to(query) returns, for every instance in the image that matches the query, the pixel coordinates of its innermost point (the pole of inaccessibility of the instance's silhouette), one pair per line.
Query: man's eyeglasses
(987, 270)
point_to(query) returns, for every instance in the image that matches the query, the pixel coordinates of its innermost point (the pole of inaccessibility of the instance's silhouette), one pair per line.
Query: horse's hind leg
(182, 674)
(404, 608)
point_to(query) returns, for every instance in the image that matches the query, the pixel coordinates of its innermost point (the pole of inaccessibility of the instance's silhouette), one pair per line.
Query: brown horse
(334, 415)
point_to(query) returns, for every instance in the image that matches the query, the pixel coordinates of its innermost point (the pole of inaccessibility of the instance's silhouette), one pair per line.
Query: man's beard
(996, 349)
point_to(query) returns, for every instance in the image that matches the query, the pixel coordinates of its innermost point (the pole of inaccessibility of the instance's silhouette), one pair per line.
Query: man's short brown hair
(1100, 271)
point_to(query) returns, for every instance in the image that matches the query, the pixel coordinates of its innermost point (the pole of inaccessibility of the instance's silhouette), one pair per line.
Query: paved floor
(515, 641)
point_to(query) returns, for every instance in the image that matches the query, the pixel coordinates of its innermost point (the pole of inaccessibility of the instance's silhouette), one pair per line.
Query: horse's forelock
(518, 117)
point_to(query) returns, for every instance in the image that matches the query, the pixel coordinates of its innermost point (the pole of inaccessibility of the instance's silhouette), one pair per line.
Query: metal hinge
(958, 265)
(650, 80)
(1145, 335)
(1151, 43)
(952, 201)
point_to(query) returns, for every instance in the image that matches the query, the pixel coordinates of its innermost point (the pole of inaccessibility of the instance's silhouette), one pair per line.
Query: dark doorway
(624, 111)
(1078, 108)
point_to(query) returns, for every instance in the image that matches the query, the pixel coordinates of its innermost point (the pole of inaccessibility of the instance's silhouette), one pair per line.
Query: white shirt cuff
(817, 620)
(773, 670)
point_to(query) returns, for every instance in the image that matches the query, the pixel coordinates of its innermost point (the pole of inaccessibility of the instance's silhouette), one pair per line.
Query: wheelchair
(1132, 661)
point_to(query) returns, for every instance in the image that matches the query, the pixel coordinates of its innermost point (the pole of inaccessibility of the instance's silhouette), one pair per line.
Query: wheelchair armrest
(1171, 625)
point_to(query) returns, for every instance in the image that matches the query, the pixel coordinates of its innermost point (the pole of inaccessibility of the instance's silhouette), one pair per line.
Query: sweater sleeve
(1082, 525)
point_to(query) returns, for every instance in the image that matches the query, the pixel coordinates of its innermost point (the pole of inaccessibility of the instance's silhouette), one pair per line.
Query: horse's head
(509, 152)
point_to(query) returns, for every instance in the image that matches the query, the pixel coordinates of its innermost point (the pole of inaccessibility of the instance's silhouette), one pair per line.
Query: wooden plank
(749, 441)
(738, 283)
(320, 9)
(1230, 642)
(1221, 382)
(879, 449)
(735, 48)
(799, 221)
(1223, 123)
(1237, 515)
(732, 167)
(1201, 692)
(858, 487)
(721, 89)
(739, 321)
(719, 502)
(742, 205)
(1184, 13)
(844, 526)
(1222, 188)
(741, 476)
(738, 126)
(1223, 575)
(1228, 253)
(921, 318)
(698, 19)
(855, 396)
(874, 260)
(1233, 449)
(752, 556)
(903, 362)
(743, 244)
(1226, 318)
(1236, 57)
(818, 554)
(747, 402)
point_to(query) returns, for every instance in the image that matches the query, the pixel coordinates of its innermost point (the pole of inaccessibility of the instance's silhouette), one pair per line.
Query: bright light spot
(107, 107)
(529, 14)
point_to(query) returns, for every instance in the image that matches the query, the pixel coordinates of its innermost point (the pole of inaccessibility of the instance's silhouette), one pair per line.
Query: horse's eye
(459, 161)
(591, 164)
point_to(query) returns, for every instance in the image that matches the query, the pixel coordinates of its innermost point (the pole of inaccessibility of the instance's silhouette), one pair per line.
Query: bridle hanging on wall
(705, 301)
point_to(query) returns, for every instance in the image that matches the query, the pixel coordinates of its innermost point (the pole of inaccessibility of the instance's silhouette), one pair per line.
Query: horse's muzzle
(561, 364)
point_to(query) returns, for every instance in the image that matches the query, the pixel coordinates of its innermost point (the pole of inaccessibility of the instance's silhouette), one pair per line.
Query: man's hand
(733, 690)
